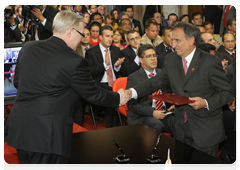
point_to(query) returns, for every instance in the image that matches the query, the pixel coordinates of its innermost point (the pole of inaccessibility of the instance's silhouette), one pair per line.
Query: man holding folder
(195, 74)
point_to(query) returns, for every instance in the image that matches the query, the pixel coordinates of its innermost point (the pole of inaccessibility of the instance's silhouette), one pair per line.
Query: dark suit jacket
(161, 52)
(95, 60)
(141, 107)
(205, 78)
(136, 23)
(45, 32)
(161, 30)
(50, 78)
(11, 35)
(227, 55)
(231, 14)
(129, 66)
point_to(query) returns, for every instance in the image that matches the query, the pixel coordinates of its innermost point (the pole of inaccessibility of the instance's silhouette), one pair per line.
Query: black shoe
(226, 157)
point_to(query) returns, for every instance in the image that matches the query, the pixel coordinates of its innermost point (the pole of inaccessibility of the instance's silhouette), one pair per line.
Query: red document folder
(172, 98)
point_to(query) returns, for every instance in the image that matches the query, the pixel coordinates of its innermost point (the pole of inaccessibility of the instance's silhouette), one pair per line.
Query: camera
(30, 7)
(8, 13)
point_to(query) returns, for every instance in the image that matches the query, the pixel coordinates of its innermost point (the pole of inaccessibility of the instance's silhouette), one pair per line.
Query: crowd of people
(115, 45)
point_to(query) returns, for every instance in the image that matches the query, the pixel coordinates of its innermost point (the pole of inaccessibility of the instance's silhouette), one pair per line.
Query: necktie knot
(151, 75)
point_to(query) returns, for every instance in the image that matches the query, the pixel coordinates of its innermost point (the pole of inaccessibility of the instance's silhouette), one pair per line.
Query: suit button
(185, 91)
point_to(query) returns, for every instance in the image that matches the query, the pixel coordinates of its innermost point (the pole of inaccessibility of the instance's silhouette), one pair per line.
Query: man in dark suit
(158, 18)
(50, 77)
(131, 62)
(145, 110)
(199, 76)
(105, 67)
(228, 47)
(46, 16)
(164, 48)
(136, 24)
(229, 12)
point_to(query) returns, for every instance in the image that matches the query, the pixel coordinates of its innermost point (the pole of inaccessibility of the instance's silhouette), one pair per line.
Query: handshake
(125, 96)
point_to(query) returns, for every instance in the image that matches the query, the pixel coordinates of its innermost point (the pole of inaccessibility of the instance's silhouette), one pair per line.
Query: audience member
(198, 75)
(115, 13)
(96, 17)
(78, 9)
(110, 20)
(93, 9)
(208, 38)
(131, 62)
(231, 25)
(135, 23)
(201, 28)
(144, 110)
(171, 18)
(165, 45)
(101, 10)
(168, 10)
(209, 29)
(86, 18)
(228, 47)
(151, 36)
(126, 26)
(105, 67)
(119, 39)
(94, 28)
(229, 12)
(197, 18)
(123, 15)
(158, 18)
(185, 18)
(84, 44)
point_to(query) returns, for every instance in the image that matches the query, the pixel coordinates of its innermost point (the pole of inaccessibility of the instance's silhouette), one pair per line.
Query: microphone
(154, 158)
(121, 158)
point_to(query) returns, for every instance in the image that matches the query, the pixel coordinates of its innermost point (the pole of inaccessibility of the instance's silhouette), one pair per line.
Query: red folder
(172, 98)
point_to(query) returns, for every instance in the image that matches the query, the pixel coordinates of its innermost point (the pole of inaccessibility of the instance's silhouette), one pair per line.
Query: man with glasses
(50, 77)
(131, 62)
(144, 110)
(171, 18)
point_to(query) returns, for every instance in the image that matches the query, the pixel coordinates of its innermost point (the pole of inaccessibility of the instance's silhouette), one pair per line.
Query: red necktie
(225, 16)
(185, 72)
(159, 103)
(109, 70)
(234, 57)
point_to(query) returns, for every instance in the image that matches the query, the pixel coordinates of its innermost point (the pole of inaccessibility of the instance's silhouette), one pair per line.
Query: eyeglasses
(136, 38)
(150, 55)
(79, 32)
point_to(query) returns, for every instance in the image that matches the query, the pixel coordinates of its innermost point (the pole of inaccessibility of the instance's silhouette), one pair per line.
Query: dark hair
(229, 22)
(123, 40)
(195, 14)
(129, 6)
(223, 37)
(184, 15)
(172, 14)
(120, 24)
(190, 30)
(207, 47)
(164, 30)
(105, 27)
(94, 23)
(131, 32)
(151, 21)
(143, 48)
(207, 23)
(93, 15)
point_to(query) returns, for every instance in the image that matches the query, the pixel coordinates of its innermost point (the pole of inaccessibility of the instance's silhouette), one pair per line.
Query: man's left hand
(119, 62)
(198, 104)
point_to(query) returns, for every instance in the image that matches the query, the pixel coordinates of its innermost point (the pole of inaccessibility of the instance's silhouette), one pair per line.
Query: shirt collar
(230, 52)
(103, 48)
(190, 56)
(147, 72)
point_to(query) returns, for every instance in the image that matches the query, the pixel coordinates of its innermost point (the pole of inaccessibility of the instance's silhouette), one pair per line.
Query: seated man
(145, 110)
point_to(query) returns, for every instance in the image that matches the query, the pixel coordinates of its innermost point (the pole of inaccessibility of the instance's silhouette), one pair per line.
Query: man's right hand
(159, 114)
(128, 94)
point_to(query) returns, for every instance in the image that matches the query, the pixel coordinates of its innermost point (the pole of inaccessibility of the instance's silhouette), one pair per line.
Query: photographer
(44, 15)
(11, 31)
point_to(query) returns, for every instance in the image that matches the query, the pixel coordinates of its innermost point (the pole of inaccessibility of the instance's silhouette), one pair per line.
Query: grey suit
(80, 51)
(231, 14)
(205, 78)
(140, 111)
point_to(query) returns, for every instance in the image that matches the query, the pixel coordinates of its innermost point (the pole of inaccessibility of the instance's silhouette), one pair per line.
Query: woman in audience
(119, 39)
(115, 13)
(94, 32)
(185, 18)
(110, 20)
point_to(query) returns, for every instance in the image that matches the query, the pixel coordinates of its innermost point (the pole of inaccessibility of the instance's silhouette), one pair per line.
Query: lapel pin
(193, 69)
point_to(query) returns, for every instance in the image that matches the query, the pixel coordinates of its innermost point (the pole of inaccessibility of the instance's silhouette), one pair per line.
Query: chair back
(118, 84)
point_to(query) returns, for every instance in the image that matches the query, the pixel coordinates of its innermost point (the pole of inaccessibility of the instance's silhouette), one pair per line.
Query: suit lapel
(193, 67)
(142, 74)
(99, 53)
